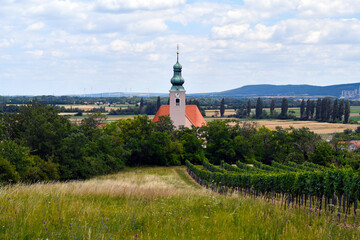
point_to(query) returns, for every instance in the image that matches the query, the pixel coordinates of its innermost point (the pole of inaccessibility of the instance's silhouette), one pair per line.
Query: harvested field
(89, 107)
(109, 118)
(317, 127)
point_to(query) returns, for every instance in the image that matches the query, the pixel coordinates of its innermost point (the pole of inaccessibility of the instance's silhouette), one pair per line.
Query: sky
(57, 47)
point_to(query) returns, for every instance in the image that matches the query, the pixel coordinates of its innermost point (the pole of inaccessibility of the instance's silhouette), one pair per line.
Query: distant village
(354, 94)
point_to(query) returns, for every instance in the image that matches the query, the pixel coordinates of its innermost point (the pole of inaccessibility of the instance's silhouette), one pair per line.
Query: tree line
(324, 110)
(38, 144)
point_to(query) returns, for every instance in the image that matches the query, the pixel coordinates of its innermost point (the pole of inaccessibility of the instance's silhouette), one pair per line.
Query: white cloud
(328, 8)
(36, 53)
(36, 26)
(147, 26)
(154, 57)
(125, 5)
(227, 44)
(230, 31)
(4, 43)
(120, 45)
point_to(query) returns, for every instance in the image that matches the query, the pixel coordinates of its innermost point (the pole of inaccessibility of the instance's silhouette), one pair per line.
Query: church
(180, 113)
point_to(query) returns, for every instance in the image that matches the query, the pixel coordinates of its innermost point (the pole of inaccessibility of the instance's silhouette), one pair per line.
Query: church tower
(177, 96)
(180, 113)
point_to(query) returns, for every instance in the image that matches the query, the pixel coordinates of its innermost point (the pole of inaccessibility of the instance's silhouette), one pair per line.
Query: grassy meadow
(154, 203)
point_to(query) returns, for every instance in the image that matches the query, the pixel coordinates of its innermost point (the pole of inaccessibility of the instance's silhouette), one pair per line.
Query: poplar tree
(272, 108)
(141, 106)
(328, 109)
(347, 112)
(323, 112)
(312, 109)
(222, 107)
(341, 109)
(284, 108)
(302, 109)
(318, 109)
(308, 109)
(158, 103)
(248, 108)
(335, 110)
(259, 108)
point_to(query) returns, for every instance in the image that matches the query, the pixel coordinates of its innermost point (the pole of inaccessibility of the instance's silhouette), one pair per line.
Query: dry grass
(317, 127)
(109, 118)
(151, 203)
(91, 106)
(141, 182)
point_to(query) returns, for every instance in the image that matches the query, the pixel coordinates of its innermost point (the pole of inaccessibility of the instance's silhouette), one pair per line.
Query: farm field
(322, 128)
(109, 118)
(152, 203)
(91, 106)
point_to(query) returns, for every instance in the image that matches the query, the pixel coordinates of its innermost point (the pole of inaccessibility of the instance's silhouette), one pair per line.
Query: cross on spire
(177, 53)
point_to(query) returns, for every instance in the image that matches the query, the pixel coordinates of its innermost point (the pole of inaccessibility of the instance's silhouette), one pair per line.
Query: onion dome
(177, 80)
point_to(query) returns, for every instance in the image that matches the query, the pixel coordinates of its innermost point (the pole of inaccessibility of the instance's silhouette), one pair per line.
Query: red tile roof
(164, 110)
(192, 113)
(356, 143)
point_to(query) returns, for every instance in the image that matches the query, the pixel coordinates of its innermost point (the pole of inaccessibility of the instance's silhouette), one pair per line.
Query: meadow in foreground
(153, 203)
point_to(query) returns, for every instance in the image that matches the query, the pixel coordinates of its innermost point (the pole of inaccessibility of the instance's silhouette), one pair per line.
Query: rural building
(180, 113)
(353, 145)
(350, 145)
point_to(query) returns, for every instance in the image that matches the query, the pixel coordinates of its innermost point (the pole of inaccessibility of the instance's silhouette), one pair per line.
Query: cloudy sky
(82, 46)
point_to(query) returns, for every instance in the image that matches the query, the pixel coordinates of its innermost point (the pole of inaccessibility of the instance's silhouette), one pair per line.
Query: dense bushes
(38, 144)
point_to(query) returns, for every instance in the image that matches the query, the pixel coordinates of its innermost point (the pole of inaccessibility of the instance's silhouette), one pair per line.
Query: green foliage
(259, 108)
(222, 107)
(8, 173)
(295, 182)
(322, 154)
(284, 108)
(347, 112)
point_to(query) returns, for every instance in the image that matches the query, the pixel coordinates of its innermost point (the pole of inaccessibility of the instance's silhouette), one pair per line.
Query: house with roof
(353, 145)
(350, 145)
(180, 113)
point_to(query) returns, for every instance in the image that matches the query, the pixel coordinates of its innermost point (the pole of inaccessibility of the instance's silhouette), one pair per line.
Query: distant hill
(284, 90)
(254, 91)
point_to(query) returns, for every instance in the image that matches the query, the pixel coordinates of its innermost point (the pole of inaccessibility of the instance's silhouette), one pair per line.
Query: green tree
(347, 112)
(150, 109)
(312, 109)
(248, 108)
(259, 108)
(302, 110)
(324, 109)
(272, 108)
(322, 154)
(8, 173)
(192, 144)
(318, 109)
(335, 110)
(284, 108)
(341, 110)
(222, 107)
(158, 103)
(308, 109)
(142, 108)
(219, 142)
(40, 128)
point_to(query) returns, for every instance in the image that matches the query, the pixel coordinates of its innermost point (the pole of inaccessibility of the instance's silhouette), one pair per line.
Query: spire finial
(177, 53)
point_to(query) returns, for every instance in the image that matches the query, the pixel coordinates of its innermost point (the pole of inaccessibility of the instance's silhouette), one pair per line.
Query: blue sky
(80, 46)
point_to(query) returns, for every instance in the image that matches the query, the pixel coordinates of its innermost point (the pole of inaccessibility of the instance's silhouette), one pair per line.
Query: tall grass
(152, 203)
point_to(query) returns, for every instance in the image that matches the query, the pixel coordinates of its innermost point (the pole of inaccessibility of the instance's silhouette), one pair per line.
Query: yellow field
(317, 127)
(89, 107)
(109, 118)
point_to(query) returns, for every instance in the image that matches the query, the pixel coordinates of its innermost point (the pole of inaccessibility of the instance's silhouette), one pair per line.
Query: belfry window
(177, 102)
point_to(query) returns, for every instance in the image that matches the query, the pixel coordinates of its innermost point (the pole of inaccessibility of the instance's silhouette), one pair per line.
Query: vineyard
(297, 185)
